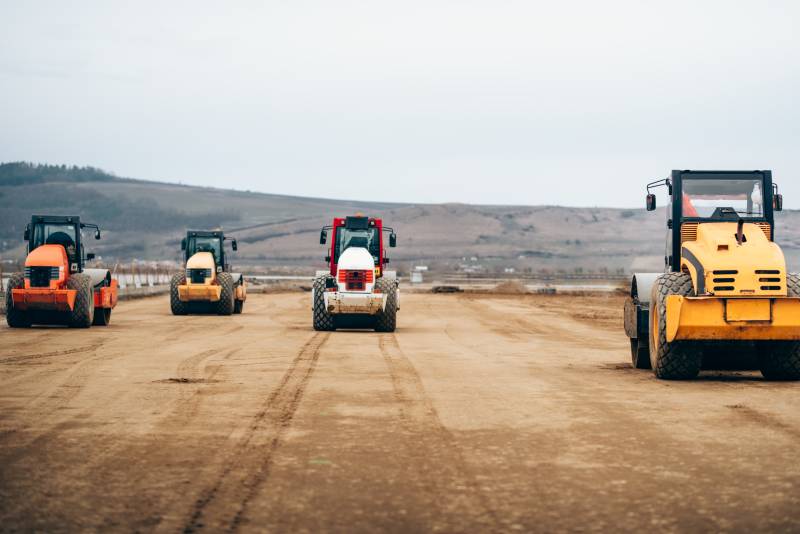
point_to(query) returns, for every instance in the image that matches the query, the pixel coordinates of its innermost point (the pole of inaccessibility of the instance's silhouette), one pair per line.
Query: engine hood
(201, 260)
(355, 258)
(720, 265)
(47, 256)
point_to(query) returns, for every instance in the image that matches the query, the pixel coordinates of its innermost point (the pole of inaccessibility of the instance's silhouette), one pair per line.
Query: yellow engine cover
(720, 266)
(207, 290)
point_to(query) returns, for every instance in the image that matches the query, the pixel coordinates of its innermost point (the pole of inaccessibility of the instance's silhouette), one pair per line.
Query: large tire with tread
(323, 320)
(386, 320)
(640, 354)
(14, 317)
(225, 304)
(178, 306)
(780, 360)
(679, 360)
(82, 315)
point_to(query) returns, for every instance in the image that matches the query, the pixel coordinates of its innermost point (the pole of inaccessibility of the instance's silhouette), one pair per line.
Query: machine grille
(770, 279)
(728, 281)
(41, 276)
(356, 280)
(689, 232)
(198, 276)
(765, 227)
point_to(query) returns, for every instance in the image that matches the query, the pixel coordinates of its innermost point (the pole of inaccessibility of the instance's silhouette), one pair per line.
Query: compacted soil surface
(481, 413)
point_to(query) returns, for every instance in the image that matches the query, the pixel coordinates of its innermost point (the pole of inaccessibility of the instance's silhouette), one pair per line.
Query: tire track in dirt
(451, 482)
(766, 420)
(225, 503)
(543, 324)
(189, 394)
(47, 406)
(190, 367)
(604, 412)
(77, 376)
(104, 460)
(27, 357)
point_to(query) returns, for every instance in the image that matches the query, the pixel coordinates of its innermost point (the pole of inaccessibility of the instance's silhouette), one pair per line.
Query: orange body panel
(106, 297)
(44, 299)
(49, 256)
(52, 298)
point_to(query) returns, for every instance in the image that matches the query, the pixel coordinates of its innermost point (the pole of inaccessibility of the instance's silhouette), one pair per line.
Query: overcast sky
(577, 103)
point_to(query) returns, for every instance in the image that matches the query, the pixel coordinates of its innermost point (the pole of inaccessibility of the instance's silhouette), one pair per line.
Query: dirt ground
(481, 413)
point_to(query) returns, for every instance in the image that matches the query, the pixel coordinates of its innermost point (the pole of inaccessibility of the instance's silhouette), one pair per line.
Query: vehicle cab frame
(356, 224)
(36, 234)
(677, 218)
(189, 246)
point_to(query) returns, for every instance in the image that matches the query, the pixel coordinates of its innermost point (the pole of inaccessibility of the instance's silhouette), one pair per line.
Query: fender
(637, 305)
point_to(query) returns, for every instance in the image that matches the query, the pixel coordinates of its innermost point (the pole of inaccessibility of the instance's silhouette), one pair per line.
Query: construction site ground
(480, 413)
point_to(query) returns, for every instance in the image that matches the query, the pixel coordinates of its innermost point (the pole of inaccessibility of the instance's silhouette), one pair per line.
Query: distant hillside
(146, 220)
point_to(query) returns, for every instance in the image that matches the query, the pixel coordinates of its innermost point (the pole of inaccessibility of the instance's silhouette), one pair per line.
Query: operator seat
(63, 239)
(358, 241)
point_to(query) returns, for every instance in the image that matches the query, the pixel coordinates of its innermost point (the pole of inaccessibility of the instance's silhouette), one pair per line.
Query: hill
(145, 220)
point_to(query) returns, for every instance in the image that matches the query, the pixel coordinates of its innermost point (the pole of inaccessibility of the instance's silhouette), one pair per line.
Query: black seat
(66, 241)
(359, 242)
(60, 238)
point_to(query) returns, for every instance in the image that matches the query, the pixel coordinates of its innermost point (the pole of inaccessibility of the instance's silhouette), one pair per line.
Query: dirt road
(478, 414)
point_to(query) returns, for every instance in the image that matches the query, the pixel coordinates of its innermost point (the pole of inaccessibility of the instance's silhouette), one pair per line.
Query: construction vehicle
(56, 287)
(207, 283)
(356, 291)
(725, 288)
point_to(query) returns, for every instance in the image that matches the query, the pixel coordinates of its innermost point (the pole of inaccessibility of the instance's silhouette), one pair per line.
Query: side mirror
(234, 245)
(183, 244)
(327, 259)
(385, 260)
(651, 202)
(97, 234)
(392, 239)
(27, 235)
(90, 256)
(777, 202)
(323, 237)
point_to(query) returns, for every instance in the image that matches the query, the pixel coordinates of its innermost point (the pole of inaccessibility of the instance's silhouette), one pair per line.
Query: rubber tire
(225, 304)
(780, 360)
(322, 319)
(82, 315)
(386, 320)
(679, 360)
(178, 306)
(15, 318)
(640, 356)
(102, 316)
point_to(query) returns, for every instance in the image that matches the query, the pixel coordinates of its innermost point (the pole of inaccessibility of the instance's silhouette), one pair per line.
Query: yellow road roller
(725, 288)
(208, 283)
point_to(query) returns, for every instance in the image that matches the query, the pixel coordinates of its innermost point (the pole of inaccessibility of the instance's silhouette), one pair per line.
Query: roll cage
(188, 245)
(356, 223)
(35, 237)
(676, 214)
